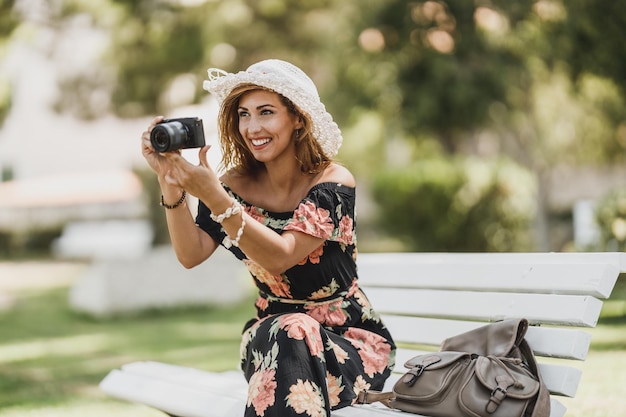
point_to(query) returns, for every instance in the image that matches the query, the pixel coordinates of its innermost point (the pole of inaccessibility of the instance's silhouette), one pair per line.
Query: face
(266, 125)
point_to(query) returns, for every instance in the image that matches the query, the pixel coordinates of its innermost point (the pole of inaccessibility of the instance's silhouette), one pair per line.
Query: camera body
(174, 134)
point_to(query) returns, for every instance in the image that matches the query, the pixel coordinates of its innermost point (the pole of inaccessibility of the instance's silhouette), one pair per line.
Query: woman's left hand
(198, 179)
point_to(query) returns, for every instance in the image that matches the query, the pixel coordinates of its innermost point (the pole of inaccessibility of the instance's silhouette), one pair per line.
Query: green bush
(457, 204)
(31, 243)
(611, 219)
(5, 98)
(152, 197)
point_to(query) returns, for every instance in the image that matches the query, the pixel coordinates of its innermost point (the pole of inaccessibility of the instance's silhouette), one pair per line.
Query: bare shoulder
(237, 182)
(339, 174)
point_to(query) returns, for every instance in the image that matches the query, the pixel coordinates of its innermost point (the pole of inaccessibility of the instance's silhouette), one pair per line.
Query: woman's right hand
(158, 162)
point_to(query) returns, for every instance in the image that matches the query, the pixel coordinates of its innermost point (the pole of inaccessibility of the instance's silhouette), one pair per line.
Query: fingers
(182, 173)
(153, 123)
(156, 120)
(202, 156)
(145, 136)
(175, 157)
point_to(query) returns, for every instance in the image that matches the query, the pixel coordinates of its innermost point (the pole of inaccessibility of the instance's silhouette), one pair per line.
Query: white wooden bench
(425, 298)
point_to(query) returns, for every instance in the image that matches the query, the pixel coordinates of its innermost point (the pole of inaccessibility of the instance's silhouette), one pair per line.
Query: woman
(286, 210)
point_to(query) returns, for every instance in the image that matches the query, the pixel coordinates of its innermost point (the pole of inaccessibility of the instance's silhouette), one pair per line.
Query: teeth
(259, 142)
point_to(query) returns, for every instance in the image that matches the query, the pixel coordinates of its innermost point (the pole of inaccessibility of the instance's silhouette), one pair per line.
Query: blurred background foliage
(455, 112)
(611, 217)
(8, 22)
(458, 204)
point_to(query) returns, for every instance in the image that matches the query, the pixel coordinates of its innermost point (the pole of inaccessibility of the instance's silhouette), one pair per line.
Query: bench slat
(371, 410)
(561, 379)
(573, 310)
(172, 397)
(401, 259)
(545, 341)
(587, 279)
(158, 385)
(232, 382)
(556, 410)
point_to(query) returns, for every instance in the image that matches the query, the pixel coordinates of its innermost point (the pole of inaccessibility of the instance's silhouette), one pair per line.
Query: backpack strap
(370, 396)
(541, 407)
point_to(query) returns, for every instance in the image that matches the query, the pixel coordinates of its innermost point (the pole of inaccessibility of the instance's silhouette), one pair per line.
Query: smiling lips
(260, 142)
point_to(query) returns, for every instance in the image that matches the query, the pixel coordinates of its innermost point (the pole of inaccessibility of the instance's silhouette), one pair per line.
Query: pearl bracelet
(230, 211)
(236, 208)
(228, 242)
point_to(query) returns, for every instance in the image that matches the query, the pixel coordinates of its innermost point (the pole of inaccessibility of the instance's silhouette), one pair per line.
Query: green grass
(52, 359)
(601, 390)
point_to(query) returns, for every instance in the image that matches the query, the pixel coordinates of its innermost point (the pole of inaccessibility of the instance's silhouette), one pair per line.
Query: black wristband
(176, 204)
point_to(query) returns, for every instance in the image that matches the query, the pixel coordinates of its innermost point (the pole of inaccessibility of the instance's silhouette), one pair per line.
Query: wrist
(234, 210)
(168, 190)
(178, 202)
(217, 200)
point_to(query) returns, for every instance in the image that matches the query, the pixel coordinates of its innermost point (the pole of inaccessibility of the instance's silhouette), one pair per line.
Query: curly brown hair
(235, 152)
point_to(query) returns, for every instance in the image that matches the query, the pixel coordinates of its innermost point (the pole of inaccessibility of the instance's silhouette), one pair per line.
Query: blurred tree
(484, 77)
(441, 69)
(430, 67)
(590, 39)
(586, 44)
(457, 204)
(611, 219)
(8, 22)
(8, 19)
(160, 50)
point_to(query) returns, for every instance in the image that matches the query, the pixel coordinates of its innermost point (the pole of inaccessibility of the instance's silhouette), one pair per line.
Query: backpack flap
(501, 338)
(499, 388)
(430, 375)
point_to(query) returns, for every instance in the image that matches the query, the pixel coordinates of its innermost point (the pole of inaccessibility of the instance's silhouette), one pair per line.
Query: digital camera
(173, 134)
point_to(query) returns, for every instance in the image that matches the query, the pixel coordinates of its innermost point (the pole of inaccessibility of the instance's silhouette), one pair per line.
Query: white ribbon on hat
(215, 73)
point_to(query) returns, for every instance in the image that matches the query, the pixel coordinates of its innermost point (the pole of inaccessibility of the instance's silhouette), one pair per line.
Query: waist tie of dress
(333, 298)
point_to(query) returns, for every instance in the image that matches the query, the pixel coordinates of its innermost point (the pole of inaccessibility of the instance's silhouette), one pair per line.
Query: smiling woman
(287, 211)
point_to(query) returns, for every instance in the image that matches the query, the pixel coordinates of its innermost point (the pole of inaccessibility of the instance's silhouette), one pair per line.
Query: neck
(285, 177)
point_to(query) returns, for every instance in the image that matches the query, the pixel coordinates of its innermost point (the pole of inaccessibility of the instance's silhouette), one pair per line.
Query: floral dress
(316, 340)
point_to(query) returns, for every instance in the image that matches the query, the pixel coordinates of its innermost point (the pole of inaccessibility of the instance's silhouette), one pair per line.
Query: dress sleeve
(206, 223)
(203, 219)
(327, 212)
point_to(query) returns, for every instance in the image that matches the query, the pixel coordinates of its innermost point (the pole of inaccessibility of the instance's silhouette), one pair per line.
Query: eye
(266, 112)
(243, 113)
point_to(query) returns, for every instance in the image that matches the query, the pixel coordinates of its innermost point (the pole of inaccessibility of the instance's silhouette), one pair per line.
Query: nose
(254, 124)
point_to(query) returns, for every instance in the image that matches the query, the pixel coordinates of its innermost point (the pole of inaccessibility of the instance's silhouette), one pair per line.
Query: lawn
(52, 359)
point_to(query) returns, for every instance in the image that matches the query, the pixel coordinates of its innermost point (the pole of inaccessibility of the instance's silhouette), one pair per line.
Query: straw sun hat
(289, 81)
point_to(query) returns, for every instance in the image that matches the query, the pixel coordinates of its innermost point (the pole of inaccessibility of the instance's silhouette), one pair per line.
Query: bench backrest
(425, 298)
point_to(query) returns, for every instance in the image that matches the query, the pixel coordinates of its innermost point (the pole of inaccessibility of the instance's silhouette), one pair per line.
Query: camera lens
(167, 137)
